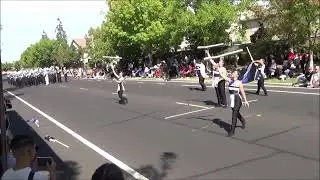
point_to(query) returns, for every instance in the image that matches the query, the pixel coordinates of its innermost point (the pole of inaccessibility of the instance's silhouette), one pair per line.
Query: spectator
(24, 151)
(315, 79)
(108, 172)
(291, 55)
(304, 79)
(273, 68)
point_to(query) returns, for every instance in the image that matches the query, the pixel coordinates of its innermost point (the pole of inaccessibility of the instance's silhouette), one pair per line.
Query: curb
(195, 81)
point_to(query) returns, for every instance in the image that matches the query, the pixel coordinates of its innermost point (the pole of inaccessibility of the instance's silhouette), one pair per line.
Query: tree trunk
(311, 59)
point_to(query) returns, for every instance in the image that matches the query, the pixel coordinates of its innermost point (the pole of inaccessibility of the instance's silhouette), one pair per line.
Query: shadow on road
(66, 170)
(211, 103)
(222, 124)
(192, 89)
(167, 159)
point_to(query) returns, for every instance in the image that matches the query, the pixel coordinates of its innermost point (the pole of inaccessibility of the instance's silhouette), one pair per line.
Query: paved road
(177, 125)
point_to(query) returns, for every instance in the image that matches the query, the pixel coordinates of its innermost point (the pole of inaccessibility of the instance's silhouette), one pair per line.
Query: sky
(24, 21)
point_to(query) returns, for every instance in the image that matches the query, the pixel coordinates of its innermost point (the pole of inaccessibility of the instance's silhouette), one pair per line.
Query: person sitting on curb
(24, 151)
(315, 78)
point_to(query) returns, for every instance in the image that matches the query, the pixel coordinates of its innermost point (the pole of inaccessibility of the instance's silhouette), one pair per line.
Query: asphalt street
(172, 130)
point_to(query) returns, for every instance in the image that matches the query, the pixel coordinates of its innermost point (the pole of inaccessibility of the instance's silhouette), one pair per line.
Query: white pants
(47, 79)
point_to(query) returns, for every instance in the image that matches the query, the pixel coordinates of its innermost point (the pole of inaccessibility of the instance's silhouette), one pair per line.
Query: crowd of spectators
(291, 64)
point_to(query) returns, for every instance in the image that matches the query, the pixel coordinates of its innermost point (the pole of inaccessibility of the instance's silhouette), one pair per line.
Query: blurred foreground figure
(108, 172)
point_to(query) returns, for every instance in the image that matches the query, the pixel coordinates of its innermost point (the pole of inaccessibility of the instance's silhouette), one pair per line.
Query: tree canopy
(135, 29)
(297, 22)
(47, 52)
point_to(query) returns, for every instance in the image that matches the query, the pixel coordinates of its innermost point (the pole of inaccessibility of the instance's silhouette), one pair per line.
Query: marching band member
(120, 79)
(260, 76)
(219, 79)
(201, 72)
(237, 98)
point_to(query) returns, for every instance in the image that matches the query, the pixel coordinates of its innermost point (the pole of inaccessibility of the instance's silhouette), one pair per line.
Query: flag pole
(250, 54)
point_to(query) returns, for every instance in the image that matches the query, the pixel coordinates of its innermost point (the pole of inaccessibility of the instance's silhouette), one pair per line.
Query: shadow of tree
(167, 159)
(68, 170)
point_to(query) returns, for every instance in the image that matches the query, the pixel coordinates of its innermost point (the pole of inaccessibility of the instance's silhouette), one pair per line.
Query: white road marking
(271, 90)
(109, 157)
(161, 83)
(289, 92)
(63, 86)
(140, 82)
(253, 100)
(194, 105)
(187, 113)
(85, 89)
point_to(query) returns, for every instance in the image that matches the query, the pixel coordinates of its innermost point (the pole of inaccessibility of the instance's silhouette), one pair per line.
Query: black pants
(120, 94)
(65, 78)
(201, 82)
(261, 85)
(236, 113)
(302, 63)
(59, 77)
(221, 93)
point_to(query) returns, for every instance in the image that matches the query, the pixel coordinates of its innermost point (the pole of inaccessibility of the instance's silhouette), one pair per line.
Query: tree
(44, 35)
(62, 51)
(135, 29)
(7, 66)
(39, 54)
(61, 33)
(293, 21)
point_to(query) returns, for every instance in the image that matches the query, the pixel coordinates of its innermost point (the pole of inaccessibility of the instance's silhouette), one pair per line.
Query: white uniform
(234, 90)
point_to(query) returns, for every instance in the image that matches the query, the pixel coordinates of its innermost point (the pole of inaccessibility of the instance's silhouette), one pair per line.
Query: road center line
(106, 155)
(194, 105)
(169, 117)
(85, 89)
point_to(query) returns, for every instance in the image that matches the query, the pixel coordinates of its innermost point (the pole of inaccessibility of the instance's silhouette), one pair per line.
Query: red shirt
(291, 56)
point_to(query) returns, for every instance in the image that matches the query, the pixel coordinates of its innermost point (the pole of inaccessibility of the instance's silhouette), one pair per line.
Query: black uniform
(260, 78)
(235, 104)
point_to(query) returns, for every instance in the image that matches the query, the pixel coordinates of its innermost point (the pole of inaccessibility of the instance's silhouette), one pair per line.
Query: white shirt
(22, 174)
(121, 84)
(202, 69)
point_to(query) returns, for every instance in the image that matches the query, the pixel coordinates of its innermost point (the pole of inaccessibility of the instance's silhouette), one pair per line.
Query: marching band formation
(38, 76)
(46, 76)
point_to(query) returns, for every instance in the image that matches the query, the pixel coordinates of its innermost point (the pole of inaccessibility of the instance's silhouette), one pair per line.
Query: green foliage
(134, 29)
(7, 66)
(293, 21)
(39, 54)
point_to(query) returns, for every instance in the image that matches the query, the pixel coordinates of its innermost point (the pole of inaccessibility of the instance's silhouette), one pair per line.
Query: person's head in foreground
(234, 75)
(108, 171)
(24, 150)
